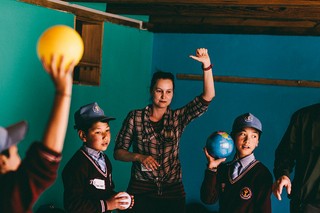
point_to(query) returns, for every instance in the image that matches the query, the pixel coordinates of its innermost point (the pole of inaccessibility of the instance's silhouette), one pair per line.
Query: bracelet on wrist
(213, 169)
(207, 68)
(63, 94)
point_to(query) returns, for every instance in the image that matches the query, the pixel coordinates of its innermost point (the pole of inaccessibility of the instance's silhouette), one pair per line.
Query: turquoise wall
(27, 91)
(129, 57)
(276, 57)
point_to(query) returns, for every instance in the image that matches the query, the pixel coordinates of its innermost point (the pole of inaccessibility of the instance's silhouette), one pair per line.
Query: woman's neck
(157, 113)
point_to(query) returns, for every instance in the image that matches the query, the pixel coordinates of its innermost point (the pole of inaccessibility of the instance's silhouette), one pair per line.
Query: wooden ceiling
(271, 17)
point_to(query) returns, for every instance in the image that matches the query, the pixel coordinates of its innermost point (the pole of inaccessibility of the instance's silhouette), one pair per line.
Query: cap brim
(89, 122)
(246, 126)
(107, 119)
(102, 119)
(12, 135)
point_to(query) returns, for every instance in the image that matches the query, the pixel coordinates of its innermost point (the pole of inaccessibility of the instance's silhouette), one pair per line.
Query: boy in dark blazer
(87, 177)
(244, 184)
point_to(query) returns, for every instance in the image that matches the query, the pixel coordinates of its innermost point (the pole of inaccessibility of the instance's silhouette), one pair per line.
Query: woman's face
(98, 136)
(162, 93)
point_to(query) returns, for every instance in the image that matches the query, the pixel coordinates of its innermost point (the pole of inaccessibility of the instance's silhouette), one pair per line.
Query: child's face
(246, 141)
(98, 136)
(10, 163)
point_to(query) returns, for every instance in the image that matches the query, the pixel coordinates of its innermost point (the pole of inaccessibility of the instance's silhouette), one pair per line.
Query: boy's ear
(3, 163)
(82, 135)
(3, 159)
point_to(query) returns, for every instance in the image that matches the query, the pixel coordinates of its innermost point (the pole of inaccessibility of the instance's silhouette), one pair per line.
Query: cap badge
(96, 109)
(248, 118)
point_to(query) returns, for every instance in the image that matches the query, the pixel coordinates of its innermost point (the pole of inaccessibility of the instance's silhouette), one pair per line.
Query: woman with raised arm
(154, 133)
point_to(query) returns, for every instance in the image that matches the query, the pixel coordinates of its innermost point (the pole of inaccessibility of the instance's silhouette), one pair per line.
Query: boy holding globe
(244, 184)
(87, 177)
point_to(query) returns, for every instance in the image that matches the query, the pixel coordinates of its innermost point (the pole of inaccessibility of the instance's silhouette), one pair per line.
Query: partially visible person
(244, 184)
(154, 133)
(23, 181)
(299, 149)
(87, 177)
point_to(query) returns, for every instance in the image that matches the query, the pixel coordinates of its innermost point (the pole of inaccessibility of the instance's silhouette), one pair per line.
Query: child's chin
(104, 148)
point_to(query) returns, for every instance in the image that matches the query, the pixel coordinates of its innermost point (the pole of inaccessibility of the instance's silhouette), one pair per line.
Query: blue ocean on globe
(219, 144)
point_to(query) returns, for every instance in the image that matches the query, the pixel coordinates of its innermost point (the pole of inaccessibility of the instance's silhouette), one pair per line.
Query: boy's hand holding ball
(127, 200)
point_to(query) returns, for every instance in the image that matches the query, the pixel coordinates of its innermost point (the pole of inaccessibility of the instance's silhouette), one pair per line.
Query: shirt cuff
(204, 102)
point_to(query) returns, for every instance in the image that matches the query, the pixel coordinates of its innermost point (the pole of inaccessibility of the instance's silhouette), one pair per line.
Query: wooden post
(246, 80)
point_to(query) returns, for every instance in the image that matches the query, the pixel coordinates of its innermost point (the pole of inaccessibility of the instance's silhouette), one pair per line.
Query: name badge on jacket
(98, 183)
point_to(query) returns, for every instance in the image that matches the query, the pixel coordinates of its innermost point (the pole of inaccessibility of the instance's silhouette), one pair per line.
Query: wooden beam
(208, 28)
(213, 10)
(87, 12)
(278, 18)
(271, 17)
(213, 2)
(246, 80)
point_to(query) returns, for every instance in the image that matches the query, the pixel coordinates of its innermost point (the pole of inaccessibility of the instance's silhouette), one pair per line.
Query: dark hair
(5, 153)
(161, 75)
(84, 128)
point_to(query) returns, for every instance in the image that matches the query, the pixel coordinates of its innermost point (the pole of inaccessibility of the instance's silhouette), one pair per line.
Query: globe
(219, 144)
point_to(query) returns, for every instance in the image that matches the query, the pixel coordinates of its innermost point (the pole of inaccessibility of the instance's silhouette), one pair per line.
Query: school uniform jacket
(250, 192)
(86, 186)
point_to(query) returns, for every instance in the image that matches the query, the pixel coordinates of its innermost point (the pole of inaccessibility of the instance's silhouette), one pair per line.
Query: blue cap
(246, 120)
(89, 114)
(12, 135)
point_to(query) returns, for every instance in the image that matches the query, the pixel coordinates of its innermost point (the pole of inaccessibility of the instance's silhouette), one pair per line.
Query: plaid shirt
(137, 131)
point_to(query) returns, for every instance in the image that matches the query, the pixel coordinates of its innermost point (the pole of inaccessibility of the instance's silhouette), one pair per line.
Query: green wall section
(27, 91)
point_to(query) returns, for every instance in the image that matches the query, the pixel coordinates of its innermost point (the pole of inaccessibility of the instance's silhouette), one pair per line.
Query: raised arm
(208, 84)
(209, 192)
(61, 76)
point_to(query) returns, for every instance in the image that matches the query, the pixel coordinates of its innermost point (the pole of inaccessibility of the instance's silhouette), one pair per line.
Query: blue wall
(129, 57)
(278, 57)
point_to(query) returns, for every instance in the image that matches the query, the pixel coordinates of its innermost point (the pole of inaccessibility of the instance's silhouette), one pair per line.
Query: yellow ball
(63, 41)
